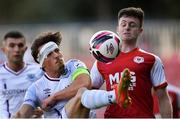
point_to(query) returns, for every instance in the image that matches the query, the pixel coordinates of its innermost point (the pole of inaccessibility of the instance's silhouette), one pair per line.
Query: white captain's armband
(79, 71)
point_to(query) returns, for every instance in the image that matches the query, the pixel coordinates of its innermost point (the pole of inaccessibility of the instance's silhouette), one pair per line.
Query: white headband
(45, 50)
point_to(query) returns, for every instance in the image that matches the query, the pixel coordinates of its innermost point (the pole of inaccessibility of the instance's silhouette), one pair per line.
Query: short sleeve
(77, 67)
(30, 97)
(158, 74)
(96, 78)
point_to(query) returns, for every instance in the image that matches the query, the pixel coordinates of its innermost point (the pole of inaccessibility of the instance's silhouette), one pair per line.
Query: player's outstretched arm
(82, 80)
(165, 105)
(26, 111)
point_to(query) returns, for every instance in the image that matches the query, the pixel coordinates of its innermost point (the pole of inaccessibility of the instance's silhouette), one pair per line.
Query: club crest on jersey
(77, 65)
(138, 59)
(31, 76)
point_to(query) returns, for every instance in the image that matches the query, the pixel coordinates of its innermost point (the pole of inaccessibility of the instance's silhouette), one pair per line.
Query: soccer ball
(105, 46)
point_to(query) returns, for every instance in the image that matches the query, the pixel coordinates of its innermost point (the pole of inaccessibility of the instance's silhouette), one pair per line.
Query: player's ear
(3, 48)
(140, 30)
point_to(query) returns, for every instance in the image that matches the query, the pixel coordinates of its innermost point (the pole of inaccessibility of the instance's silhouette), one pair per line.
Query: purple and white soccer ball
(105, 45)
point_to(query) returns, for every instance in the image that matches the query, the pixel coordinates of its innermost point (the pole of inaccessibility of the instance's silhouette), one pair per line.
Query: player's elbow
(84, 81)
(87, 85)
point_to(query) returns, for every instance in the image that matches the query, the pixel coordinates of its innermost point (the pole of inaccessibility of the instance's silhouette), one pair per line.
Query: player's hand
(37, 113)
(48, 103)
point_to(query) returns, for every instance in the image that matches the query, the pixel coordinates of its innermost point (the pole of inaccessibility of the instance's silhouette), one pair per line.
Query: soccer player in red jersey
(147, 71)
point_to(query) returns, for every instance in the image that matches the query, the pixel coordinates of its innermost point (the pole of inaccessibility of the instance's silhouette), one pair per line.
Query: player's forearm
(71, 91)
(68, 92)
(21, 115)
(166, 109)
(165, 105)
(64, 94)
(17, 115)
(26, 111)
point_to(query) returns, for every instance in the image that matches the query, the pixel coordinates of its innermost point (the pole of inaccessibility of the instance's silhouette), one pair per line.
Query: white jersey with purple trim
(13, 86)
(46, 86)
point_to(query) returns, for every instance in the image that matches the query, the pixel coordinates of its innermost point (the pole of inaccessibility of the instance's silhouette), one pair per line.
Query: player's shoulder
(150, 57)
(1, 65)
(34, 69)
(40, 81)
(2, 68)
(148, 54)
(75, 63)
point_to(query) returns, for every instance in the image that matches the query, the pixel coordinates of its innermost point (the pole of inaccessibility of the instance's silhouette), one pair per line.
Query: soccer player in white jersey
(2, 57)
(15, 75)
(67, 77)
(61, 82)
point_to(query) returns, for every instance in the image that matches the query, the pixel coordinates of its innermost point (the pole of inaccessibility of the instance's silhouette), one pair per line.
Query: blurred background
(78, 20)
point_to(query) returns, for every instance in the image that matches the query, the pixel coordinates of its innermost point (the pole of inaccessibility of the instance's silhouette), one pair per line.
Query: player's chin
(127, 38)
(17, 60)
(61, 69)
(60, 63)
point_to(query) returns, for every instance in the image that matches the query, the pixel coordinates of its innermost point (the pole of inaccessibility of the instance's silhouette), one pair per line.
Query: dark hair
(43, 39)
(13, 34)
(132, 11)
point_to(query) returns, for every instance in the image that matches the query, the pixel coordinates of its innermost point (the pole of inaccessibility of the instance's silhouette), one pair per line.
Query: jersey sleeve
(96, 78)
(158, 74)
(30, 96)
(77, 67)
(38, 71)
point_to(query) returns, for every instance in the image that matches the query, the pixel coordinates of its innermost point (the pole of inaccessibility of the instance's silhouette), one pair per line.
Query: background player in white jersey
(146, 69)
(15, 75)
(2, 57)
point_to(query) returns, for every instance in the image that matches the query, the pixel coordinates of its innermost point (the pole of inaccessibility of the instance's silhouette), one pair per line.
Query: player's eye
(20, 45)
(123, 24)
(133, 25)
(11, 45)
(49, 54)
(57, 50)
